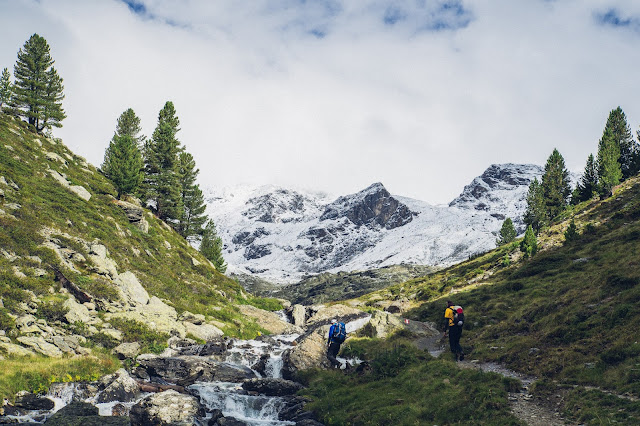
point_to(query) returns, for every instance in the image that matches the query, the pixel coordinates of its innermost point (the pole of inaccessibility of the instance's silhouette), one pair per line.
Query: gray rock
(29, 401)
(205, 332)
(185, 370)
(167, 408)
(299, 315)
(83, 414)
(127, 350)
(131, 291)
(272, 386)
(121, 388)
(38, 344)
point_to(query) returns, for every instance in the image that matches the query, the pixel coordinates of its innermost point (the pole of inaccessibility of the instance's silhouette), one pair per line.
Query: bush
(52, 311)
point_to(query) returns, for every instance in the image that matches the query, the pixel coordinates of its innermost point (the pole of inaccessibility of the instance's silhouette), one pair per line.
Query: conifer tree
(37, 92)
(609, 172)
(5, 88)
(192, 219)
(128, 124)
(588, 184)
(161, 185)
(555, 185)
(535, 215)
(211, 247)
(571, 234)
(529, 244)
(623, 138)
(507, 232)
(124, 164)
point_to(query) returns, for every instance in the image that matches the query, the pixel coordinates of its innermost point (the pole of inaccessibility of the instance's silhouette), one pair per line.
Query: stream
(230, 398)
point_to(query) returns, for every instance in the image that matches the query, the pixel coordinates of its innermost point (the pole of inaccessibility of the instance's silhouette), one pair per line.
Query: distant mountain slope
(283, 235)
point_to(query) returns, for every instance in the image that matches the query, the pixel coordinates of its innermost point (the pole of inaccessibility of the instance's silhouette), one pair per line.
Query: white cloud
(326, 95)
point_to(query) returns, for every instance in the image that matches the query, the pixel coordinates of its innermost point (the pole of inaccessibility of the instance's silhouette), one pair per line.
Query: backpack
(458, 316)
(339, 332)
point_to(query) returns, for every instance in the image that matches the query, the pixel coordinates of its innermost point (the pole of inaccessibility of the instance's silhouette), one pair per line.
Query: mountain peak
(373, 207)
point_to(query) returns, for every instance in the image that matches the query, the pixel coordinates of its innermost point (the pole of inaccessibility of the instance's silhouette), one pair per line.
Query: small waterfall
(274, 367)
(254, 410)
(61, 394)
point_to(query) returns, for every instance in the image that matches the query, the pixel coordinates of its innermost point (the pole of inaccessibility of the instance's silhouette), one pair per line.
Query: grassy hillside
(570, 315)
(35, 209)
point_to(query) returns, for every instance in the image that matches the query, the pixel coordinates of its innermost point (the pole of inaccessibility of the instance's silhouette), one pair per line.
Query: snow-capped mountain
(282, 235)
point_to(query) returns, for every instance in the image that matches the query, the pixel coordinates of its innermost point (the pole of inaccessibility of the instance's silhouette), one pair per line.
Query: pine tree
(5, 88)
(37, 92)
(555, 185)
(507, 232)
(535, 215)
(211, 247)
(623, 138)
(161, 184)
(193, 218)
(609, 172)
(128, 124)
(529, 244)
(124, 164)
(588, 184)
(571, 234)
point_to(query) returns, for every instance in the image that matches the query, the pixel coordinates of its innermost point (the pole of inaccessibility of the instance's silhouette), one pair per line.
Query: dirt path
(524, 406)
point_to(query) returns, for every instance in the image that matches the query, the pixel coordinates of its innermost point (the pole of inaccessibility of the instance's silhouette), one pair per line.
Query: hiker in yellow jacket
(454, 329)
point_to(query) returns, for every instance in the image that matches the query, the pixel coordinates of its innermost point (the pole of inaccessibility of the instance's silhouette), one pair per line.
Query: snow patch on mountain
(282, 234)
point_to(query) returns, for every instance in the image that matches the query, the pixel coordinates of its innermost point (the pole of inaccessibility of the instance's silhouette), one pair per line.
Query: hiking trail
(526, 407)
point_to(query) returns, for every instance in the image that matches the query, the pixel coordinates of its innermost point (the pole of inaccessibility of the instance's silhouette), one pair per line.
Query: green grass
(405, 386)
(36, 374)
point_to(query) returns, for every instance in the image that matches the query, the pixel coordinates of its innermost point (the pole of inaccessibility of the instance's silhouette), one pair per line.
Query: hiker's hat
(333, 321)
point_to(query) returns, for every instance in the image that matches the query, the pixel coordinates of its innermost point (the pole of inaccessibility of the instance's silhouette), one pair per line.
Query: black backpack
(339, 332)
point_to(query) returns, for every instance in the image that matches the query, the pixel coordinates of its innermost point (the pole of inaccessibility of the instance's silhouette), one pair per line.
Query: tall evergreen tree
(588, 184)
(161, 185)
(192, 219)
(555, 185)
(128, 124)
(211, 247)
(529, 244)
(124, 164)
(5, 88)
(535, 215)
(507, 232)
(609, 172)
(623, 138)
(37, 92)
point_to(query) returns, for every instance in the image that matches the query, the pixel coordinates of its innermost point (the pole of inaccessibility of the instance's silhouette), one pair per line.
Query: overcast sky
(333, 95)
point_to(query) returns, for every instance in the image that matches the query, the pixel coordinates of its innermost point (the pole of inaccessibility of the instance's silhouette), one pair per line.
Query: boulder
(130, 289)
(204, 332)
(127, 350)
(310, 352)
(156, 314)
(29, 401)
(80, 191)
(324, 314)
(103, 264)
(13, 349)
(269, 320)
(185, 370)
(83, 414)
(299, 315)
(167, 408)
(38, 344)
(121, 387)
(78, 313)
(196, 319)
(272, 386)
(134, 213)
(382, 324)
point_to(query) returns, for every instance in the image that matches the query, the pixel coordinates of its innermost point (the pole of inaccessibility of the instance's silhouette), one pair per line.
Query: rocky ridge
(286, 236)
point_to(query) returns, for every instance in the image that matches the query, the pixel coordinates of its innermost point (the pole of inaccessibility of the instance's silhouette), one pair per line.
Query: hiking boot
(461, 357)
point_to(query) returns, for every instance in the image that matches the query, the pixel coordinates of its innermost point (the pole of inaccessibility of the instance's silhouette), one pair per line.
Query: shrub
(52, 311)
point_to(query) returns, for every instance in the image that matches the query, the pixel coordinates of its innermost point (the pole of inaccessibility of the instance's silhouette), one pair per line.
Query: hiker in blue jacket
(337, 335)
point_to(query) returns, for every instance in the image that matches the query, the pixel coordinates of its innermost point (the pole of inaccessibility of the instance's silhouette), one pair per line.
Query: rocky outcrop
(269, 321)
(85, 414)
(130, 289)
(204, 332)
(156, 314)
(119, 387)
(167, 408)
(272, 386)
(372, 207)
(186, 370)
(127, 350)
(310, 352)
(324, 314)
(382, 324)
(134, 213)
